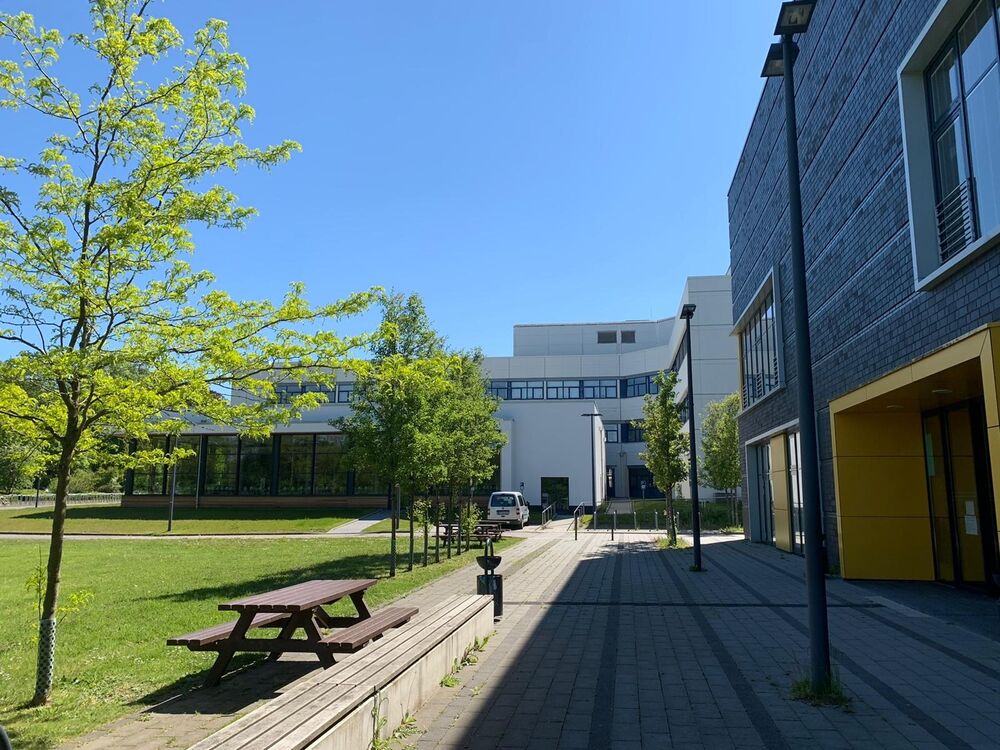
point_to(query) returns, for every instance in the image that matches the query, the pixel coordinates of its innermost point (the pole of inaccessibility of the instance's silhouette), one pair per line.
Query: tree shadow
(374, 565)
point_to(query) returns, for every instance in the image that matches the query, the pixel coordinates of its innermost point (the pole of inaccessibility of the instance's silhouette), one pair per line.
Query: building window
(330, 473)
(186, 475)
(255, 466)
(151, 480)
(682, 410)
(963, 88)
(295, 464)
(607, 337)
(628, 337)
(526, 390)
(345, 392)
(759, 352)
(610, 433)
(562, 389)
(221, 456)
(604, 388)
(639, 385)
(675, 366)
(500, 389)
(632, 434)
(555, 491)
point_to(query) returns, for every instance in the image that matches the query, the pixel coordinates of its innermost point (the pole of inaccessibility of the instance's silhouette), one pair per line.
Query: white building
(569, 395)
(558, 368)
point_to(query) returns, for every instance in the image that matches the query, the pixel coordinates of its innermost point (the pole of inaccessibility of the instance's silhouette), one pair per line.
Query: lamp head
(794, 17)
(687, 312)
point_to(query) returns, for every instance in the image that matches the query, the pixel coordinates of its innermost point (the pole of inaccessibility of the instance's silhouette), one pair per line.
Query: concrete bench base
(333, 710)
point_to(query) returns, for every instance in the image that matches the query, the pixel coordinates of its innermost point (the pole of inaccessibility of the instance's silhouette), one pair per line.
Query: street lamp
(687, 312)
(593, 464)
(794, 19)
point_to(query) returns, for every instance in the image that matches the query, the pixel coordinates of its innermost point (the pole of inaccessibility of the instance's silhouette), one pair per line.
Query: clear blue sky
(513, 162)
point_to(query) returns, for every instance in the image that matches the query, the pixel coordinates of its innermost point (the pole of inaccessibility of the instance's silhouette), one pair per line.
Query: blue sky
(512, 162)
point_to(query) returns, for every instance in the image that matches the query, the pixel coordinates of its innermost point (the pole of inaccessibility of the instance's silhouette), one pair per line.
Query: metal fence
(77, 498)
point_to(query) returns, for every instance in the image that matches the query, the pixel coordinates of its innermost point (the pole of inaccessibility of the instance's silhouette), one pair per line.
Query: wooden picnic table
(483, 531)
(292, 608)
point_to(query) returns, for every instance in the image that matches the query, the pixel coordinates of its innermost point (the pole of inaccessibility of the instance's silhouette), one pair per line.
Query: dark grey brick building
(898, 106)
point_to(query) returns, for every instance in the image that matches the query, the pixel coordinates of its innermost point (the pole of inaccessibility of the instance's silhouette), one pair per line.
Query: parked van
(509, 508)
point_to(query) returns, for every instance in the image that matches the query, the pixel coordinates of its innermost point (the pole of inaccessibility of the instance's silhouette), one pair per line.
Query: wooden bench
(203, 640)
(353, 638)
(332, 709)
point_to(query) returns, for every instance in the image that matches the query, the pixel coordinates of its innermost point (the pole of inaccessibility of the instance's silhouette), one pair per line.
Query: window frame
(754, 317)
(919, 151)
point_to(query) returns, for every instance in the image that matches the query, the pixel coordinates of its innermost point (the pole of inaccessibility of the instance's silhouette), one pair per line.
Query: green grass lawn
(112, 657)
(105, 519)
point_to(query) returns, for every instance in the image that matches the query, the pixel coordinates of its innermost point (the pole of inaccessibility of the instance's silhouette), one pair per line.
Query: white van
(509, 508)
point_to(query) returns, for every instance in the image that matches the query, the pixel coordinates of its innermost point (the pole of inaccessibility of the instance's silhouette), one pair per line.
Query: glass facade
(759, 353)
(526, 390)
(295, 464)
(963, 92)
(603, 388)
(632, 434)
(561, 389)
(639, 385)
(283, 464)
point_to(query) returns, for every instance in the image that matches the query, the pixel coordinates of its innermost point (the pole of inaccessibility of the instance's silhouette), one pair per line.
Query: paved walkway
(618, 645)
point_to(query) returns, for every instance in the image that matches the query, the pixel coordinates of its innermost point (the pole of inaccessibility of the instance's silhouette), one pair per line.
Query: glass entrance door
(963, 519)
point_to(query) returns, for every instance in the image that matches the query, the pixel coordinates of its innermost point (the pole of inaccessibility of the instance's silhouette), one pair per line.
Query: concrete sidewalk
(617, 645)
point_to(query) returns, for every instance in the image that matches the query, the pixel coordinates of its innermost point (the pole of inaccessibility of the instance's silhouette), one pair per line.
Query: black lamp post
(593, 464)
(794, 19)
(687, 312)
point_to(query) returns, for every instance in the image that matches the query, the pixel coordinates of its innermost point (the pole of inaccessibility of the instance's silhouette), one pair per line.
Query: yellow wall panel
(888, 548)
(878, 435)
(882, 486)
(993, 437)
(991, 378)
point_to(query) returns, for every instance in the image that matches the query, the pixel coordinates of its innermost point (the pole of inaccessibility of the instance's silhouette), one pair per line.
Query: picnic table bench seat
(353, 638)
(215, 633)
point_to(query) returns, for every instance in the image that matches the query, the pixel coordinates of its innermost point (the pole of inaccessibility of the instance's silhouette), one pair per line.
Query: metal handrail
(548, 513)
(956, 220)
(576, 520)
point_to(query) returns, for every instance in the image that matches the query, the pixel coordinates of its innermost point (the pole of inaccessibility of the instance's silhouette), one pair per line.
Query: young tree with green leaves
(118, 335)
(720, 443)
(22, 460)
(666, 444)
(469, 432)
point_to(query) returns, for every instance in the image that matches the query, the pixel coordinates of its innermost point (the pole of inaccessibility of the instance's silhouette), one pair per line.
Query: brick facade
(866, 316)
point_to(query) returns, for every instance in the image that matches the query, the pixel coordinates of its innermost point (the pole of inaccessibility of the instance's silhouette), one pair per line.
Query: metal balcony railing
(956, 220)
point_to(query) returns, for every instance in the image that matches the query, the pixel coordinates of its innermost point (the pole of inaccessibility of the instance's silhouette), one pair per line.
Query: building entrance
(962, 513)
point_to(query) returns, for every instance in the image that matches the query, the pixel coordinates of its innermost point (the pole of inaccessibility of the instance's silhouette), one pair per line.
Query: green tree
(469, 433)
(22, 460)
(666, 444)
(720, 444)
(117, 334)
(392, 392)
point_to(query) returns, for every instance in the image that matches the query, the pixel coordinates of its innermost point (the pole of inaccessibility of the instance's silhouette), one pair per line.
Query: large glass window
(560, 389)
(607, 337)
(255, 466)
(963, 88)
(610, 433)
(345, 392)
(221, 453)
(295, 464)
(331, 466)
(186, 476)
(603, 388)
(526, 390)
(759, 352)
(151, 480)
(636, 386)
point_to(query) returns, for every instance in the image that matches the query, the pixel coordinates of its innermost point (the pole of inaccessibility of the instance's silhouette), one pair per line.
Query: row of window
(291, 465)
(623, 432)
(341, 393)
(554, 390)
(611, 337)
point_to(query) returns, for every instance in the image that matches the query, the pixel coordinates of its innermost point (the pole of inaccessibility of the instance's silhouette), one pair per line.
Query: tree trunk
(673, 524)
(45, 670)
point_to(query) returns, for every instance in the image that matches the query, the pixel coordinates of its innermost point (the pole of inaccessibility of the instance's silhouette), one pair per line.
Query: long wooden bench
(202, 640)
(332, 709)
(353, 638)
